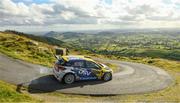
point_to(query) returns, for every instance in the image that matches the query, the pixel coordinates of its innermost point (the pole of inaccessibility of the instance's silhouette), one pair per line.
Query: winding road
(132, 78)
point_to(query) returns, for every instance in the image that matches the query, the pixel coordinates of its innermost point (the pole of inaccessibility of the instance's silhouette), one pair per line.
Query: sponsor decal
(84, 72)
(87, 78)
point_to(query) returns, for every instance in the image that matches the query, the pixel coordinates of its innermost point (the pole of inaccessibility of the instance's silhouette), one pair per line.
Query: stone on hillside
(32, 43)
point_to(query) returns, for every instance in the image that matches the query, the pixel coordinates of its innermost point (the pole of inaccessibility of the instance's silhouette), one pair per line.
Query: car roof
(77, 57)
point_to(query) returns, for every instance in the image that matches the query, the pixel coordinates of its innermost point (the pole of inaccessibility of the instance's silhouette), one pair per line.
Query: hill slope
(44, 39)
(8, 94)
(26, 49)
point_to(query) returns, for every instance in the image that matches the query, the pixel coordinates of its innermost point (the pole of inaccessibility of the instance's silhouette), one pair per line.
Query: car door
(80, 70)
(95, 69)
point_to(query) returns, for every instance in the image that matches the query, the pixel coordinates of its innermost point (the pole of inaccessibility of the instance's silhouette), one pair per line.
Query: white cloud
(67, 15)
(120, 12)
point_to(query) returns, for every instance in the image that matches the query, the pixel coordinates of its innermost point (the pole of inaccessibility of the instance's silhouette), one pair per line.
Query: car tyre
(107, 76)
(69, 78)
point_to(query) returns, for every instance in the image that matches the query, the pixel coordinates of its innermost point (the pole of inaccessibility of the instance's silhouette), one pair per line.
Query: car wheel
(107, 77)
(69, 78)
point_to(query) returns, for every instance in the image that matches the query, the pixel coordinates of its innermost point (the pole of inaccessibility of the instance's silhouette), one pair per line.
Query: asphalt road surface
(132, 78)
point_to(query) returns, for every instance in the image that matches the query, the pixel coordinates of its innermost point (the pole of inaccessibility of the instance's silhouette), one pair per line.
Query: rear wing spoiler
(59, 52)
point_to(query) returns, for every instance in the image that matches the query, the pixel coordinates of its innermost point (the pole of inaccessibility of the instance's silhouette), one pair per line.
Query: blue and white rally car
(73, 68)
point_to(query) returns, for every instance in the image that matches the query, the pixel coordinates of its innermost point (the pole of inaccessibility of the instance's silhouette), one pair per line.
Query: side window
(79, 63)
(93, 65)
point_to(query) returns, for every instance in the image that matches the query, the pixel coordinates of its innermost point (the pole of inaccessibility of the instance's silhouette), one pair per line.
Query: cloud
(113, 12)
(21, 14)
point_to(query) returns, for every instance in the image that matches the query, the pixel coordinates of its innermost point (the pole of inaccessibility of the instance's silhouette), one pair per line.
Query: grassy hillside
(34, 49)
(46, 40)
(141, 52)
(30, 49)
(26, 49)
(8, 94)
(160, 44)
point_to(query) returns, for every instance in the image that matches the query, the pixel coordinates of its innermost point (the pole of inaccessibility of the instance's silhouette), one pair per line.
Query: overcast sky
(58, 15)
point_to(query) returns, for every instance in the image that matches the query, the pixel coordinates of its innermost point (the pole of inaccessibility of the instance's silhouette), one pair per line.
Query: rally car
(69, 69)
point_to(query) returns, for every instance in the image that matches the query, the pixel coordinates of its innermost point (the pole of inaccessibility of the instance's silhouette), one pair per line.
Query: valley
(141, 48)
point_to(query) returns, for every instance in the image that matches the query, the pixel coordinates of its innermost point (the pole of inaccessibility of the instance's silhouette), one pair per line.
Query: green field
(135, 44)
(39, 51)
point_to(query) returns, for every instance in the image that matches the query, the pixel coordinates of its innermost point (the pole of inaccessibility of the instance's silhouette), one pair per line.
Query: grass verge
(8, 94)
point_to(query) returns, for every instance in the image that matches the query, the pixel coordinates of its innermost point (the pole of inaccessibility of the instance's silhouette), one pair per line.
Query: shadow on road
(49, 84)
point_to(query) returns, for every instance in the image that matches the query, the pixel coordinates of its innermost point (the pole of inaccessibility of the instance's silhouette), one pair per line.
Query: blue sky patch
(167, 1)
(108, 1)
